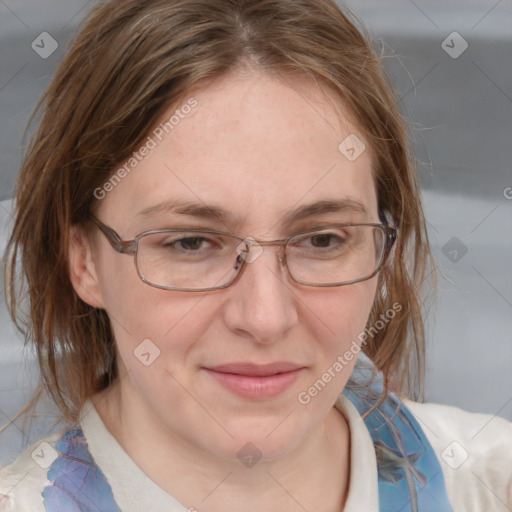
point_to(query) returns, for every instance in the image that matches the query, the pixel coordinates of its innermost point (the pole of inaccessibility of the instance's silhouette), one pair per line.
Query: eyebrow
(217, 213)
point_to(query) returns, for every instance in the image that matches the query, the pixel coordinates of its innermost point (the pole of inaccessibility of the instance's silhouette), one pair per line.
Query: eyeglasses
(204, 260)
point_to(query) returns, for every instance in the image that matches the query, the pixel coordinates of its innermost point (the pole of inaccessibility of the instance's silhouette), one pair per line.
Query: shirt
(474, 450)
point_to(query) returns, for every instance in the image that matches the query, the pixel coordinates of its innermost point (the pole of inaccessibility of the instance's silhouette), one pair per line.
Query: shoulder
(475, 454)
(23, 481)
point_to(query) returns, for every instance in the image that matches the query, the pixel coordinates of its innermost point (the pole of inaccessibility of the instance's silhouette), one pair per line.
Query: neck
(312, 476)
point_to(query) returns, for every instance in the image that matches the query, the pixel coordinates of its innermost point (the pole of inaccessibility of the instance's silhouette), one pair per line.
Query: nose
(262, 304)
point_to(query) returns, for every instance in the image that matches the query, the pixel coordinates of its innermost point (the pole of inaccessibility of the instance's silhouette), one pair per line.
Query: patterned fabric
(410, 476)
(78, 484)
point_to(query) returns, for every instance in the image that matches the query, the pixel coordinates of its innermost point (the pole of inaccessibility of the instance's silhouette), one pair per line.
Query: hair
(129, 63)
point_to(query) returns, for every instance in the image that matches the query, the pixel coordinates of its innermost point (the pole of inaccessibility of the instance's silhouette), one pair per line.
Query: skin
(258, 146)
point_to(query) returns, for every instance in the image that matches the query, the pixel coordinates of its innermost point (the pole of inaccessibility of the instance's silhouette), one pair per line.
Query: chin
(264, 439)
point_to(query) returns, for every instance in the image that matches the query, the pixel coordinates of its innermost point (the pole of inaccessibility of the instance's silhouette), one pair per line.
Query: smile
(256, 382)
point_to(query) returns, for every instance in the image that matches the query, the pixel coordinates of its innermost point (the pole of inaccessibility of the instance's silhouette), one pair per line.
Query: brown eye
(190, 243)
(322, 240)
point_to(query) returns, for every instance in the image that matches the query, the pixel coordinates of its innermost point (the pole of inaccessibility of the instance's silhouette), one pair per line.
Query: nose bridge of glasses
(250, 248)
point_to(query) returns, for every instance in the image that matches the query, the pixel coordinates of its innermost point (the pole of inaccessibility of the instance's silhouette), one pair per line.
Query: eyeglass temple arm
(391, 232)
(121, 246)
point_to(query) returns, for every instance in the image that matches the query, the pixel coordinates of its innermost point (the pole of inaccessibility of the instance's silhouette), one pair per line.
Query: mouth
(256, 382)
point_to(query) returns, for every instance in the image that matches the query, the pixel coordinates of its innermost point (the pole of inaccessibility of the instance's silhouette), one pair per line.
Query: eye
(323, 240)
(325, 243)
(180, 245)
(190, 243)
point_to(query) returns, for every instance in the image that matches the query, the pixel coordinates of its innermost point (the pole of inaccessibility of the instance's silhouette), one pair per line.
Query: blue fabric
(410, 476)
(78, 484)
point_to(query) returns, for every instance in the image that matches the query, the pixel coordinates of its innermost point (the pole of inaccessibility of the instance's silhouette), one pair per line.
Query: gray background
(461, 120)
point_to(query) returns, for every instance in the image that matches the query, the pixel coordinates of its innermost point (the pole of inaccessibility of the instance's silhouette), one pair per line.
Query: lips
(255, 370)
(256, 382)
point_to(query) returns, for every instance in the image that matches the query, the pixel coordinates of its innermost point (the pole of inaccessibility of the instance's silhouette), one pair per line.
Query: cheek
(138, 311)
(342, 313)
(342, 317)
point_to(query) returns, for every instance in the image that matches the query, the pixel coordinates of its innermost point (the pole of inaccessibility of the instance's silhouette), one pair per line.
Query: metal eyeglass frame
(131, 247)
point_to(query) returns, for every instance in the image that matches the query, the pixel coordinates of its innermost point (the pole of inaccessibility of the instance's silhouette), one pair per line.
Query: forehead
(255, 145)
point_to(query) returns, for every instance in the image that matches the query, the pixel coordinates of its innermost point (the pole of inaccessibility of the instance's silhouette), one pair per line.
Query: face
(258, 148)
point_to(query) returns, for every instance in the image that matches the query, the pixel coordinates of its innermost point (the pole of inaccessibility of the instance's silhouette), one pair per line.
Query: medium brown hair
(129, 63)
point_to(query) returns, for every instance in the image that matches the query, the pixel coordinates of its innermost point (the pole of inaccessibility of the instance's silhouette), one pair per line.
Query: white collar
(133, 490)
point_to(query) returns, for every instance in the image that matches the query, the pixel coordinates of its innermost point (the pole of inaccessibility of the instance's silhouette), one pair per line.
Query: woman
(221, 233)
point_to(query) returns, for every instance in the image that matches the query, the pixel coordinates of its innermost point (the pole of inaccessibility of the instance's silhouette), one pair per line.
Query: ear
(82, 268)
